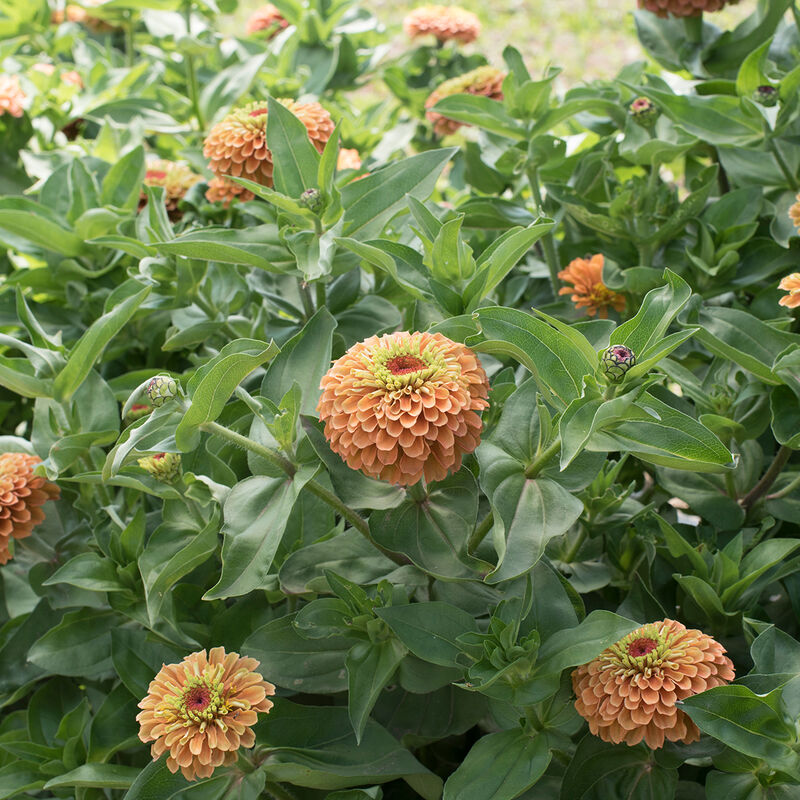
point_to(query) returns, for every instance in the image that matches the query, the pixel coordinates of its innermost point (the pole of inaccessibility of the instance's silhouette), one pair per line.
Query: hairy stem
(267, 453)
(479, 534)
(535, 467)
(788, 489)
(791, 179)
(768, 478)
(548, 240)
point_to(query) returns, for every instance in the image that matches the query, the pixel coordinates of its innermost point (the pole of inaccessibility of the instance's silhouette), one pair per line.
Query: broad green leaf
(295, 159)
(481, 111)
(156, 782)
(88, 571)
(40, 226)
(122, 183)
(101, 776)
(678, 547)
(18, 777)
(227, 86)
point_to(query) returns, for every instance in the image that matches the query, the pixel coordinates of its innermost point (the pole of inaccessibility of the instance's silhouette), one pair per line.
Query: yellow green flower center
(644, 648)
(403, 367)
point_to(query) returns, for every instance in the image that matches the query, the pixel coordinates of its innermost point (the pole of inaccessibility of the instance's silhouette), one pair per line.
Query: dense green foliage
(421, 638)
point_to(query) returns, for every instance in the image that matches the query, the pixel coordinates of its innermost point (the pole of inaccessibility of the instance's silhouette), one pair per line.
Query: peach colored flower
(175, 177)
(588, 290)
(22, 495)
(201, 710)
(629, 692)
(794, 212)
(486, 81)
(791, 284)
(237, 145)
(683, 8)
(444, 22)
(80, 16)
(44, 68)
(72, 77)
(402, 406)
(266, 18)
(11, 96)
(225, 191)
(348, 159)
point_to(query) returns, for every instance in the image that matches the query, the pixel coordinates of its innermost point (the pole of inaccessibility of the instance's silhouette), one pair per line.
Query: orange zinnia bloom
(237, 145)
(176, 178)
(683, 8)
(201, 710)
(22, 494)
(11, 96)
(794, 212)
(629, 692)
(486, 81)
(444, 22)
(791, 284)
(264, 18)
(348, 159)
(588, 290)
(225, 191)
(401, 406)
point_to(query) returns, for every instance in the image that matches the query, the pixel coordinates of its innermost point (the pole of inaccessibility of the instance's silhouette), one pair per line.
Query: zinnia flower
(791, 284)
(73, 77)
(176, 178)
(80, 16)
(22, 495)
(588, 290)
(401, 406)
(225, 191)
(237, 145)
(201, 710)
(11, 96)
(683, 8)
(348, 159)
(486, 81)
(629, 692)
(444, 22)
(164, 467)
(794, 212)
(266, 18)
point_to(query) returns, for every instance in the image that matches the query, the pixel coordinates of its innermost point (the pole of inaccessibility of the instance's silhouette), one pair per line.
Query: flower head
(486, 81)
(80, 16)
(402, 406)
(160, 389)
(164, 467)
(643, 112)
(683, 8)
(588, 290)
(616, 361)
(794, 212)
(22, 495)
(11, 96)
(267, 18)
(348, 158)
(629, 692)
(237, 145)
(791, 284)
(176, 178)
(201, 710)
(444, 22)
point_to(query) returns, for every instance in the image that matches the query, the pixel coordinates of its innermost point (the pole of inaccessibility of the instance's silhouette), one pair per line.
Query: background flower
(444, 22)
(267, 17)
(11, 96)
(486, 81)
(683, 8)
(588, 290)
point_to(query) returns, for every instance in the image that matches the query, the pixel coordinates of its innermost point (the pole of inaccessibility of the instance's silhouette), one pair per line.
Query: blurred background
(589, 39)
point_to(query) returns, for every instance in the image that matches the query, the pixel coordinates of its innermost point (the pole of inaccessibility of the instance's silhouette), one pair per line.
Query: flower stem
(191, 75)
(693, 27)
(479, 534)
(575, 549)
(784, 167)
(267, 453)
(130, 53)
(306, 299)
(535, 467)
(788, 489)
(768, 478)
(548, 240)
(277, 792)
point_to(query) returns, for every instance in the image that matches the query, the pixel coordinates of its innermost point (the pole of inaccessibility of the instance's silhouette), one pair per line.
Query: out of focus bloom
(588, 290)
(402, 406)
(160, 389)
(643, 112)
(224, 190)
(266, 18)
(176, 178)
(80, 16)
(486, 81)
(72, 77)
(616, 361)
(348, 159)
(684, 8)
(629, 692)
(202, 710)
(794, 212)
(22, 495)
(443, 22)
(237, 145)
(11, 96)
(164, 467)
(791, 284)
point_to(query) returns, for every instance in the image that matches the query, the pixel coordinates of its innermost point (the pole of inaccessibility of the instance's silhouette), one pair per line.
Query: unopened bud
(766, 95)
(616, 361)
(138, 410)
(165, 467)
(160, 389)
(312, 200)
(644, 112)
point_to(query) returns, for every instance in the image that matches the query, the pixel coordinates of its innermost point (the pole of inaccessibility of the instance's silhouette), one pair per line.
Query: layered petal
(588, 290)
(443, 22)
(684, 8)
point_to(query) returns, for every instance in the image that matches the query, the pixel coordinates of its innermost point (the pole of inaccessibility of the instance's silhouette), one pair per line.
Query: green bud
(766, 95)
(165, 467)
(160, 389)
(616, 361)
(643, 112)
(312, 200)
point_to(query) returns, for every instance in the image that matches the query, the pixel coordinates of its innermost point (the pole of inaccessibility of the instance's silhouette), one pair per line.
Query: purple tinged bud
(616, 361)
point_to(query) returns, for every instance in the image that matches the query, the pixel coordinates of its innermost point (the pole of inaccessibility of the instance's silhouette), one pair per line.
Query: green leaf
(785, 416)
(499, 766)
(213, 384)
(88, 571)
(123, 182)
(480, 111)
(101, 776)
(156, 782)
(138, 655)
(227, 86)
(92, 343)
(295, 159)
(39, 225)
(18, 777)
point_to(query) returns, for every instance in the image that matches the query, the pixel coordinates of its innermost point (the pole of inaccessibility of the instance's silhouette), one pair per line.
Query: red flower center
(159, 456)
(641, 647)
(402, 365)
(155, 174)
(620, 351)
(198, 699)
(258, 112)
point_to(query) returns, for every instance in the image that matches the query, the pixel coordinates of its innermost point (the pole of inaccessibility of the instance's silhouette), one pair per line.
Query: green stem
(306, 299)
(542, 458)
(788, 489)
(693, 28)
(130, 54)
(573, 551)
(267, 453)
(778, 463)
(479, 534)
(548, 240)
(321, 293)
(784, 167)
(191, 75)
(277, 792)
(730, 486)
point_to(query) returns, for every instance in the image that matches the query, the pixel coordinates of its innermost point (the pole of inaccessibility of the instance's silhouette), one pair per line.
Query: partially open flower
(616, 361)
(643, 112)
(22, 495)
(202, 710)
(164, 467)
(237, 145)
(348, 159)
(486, 81)
(312, 200)
(225, 191)
(684, 8)
(402, 406)
(791, 284)
(137, 411)
(588, 290)
(160, 389)
(629, 692)
(267, 18)
(176, 178)
(11, 96)
(443, 22)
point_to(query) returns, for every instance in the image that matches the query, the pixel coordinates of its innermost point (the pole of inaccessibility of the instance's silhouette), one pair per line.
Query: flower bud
(164, 467)
(643, 112)
(766, 95)
(138, 410)
(160, 389)
(616, 361)
(312, 200)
